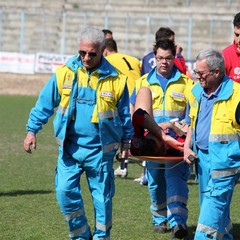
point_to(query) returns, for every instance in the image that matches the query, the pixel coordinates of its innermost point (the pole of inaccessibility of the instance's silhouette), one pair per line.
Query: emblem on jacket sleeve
(68, 80)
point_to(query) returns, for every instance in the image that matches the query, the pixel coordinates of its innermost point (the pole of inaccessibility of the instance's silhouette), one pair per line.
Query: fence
(24, 31)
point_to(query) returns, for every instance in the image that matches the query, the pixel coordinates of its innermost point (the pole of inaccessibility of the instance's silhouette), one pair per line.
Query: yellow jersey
(128, 65)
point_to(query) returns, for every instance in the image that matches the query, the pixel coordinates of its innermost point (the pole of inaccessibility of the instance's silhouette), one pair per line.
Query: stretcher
(173, 160)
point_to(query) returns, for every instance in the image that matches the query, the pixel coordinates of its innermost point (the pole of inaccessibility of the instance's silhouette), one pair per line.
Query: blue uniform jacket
(113, 129)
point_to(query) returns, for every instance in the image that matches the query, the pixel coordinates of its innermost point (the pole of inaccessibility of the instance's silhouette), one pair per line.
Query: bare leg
(144, 100)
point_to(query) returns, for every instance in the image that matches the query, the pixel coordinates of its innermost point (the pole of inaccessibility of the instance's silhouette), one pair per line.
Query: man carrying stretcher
(163, 140)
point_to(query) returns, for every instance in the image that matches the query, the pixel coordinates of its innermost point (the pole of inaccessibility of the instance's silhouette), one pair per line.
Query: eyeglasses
(167, 59)
(201, 74)
(90, 54)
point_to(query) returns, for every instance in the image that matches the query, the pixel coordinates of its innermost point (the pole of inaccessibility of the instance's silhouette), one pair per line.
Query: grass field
(29, 210)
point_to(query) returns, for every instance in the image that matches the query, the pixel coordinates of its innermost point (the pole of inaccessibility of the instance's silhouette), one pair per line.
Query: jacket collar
(152, 76)
(225, 91)
(105, 69)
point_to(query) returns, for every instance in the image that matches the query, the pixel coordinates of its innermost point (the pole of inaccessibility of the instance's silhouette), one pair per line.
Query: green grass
(28, 206)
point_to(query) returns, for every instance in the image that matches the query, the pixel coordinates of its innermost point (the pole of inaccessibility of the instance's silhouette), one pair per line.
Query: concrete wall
(52, 26)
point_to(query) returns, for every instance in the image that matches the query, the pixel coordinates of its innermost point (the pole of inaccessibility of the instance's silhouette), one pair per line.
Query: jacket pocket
(65, 98)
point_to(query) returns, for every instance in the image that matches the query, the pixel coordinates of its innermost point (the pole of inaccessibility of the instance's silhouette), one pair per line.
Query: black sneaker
(179, 231)
(162, 228)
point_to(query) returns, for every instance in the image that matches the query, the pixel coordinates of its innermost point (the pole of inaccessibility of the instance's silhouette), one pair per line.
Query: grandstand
(52, 26)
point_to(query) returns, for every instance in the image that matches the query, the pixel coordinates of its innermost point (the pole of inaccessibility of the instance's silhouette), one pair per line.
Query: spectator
(231, 53)
(214, 133)
(91, 121)
(148, 61)
(168, 189)
(130, 66)
(107, 33)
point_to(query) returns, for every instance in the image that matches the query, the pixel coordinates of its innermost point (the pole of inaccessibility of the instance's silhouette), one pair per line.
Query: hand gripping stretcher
(174, 160)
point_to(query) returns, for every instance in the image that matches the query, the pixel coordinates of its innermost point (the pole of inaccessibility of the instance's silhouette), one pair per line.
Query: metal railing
(26, 32)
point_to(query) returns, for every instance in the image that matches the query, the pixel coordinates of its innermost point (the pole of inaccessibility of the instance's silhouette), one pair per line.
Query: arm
(149, 124)
(178, 127)
(188, 147)
(172, 126)
(124, 114)
(157, 130)
(173, 142)
(180, 63)
(48, 99)
(179, 49)
(39, 115)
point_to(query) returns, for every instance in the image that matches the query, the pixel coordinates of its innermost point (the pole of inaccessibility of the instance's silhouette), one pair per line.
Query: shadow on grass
(23, 192)
(191, 233)
(236, 231)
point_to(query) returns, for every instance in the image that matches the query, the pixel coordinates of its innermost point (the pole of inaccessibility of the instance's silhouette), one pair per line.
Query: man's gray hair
(92, 35)
(213, 58)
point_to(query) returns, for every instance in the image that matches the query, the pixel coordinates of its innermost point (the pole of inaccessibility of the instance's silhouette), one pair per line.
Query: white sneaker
(142, 180)
(138, 179)
(121, 172)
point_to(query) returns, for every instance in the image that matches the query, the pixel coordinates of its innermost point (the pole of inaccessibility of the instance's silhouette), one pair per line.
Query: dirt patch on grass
(22, 84)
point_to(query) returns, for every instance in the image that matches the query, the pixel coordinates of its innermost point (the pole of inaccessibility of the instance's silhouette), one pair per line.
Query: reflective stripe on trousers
(157, 191)
(214, 219)
(177, 193)
(99, 172)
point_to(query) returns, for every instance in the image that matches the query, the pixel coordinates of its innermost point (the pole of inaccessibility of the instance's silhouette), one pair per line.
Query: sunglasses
(90, 54)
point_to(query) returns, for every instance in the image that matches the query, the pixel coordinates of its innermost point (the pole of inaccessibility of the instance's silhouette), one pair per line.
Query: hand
(173, 142)
(179, 49)
(189, 152)
(30, 142)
